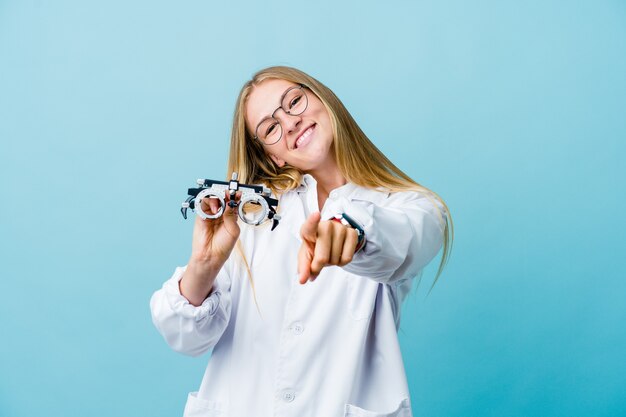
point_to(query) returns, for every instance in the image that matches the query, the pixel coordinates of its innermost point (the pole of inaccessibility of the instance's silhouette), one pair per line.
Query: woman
(303, 320)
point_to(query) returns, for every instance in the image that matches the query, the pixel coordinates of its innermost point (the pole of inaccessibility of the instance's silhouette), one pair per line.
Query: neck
(328, 178)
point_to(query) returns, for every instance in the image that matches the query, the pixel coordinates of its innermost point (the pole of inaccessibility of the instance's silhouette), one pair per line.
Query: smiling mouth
(305, 137)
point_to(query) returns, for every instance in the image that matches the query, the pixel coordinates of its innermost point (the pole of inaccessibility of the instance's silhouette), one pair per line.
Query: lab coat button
(296, 328)
(288, 396)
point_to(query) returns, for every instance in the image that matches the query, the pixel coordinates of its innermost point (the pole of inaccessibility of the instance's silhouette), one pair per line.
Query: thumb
(308, 231)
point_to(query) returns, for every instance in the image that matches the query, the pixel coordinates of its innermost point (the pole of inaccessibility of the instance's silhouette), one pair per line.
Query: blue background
(513, 111)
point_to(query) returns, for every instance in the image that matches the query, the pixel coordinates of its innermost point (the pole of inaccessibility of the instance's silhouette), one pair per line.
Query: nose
(289, 122)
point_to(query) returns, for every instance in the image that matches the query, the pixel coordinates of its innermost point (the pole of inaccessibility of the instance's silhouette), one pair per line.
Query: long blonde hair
(358, 159)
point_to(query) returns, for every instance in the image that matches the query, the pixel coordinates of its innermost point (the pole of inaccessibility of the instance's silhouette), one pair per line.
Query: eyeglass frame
(301, 87)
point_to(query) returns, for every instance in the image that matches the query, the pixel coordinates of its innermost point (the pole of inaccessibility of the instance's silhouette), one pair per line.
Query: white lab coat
(324, 349)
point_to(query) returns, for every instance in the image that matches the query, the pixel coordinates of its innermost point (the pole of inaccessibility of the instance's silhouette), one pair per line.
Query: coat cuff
(181, 306)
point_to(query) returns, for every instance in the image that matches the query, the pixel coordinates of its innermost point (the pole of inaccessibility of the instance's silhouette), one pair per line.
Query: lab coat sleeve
(404, 232)
(186, 328)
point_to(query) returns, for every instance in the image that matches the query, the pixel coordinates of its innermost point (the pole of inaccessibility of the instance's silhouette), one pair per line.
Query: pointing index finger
(308, 231)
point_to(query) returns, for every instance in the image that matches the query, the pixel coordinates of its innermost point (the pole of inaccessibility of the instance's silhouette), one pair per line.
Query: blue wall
(515, 112)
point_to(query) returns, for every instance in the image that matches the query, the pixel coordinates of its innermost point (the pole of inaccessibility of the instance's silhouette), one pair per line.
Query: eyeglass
(293, 102)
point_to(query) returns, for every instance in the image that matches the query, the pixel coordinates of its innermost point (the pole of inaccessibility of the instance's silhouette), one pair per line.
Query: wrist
(203, 267)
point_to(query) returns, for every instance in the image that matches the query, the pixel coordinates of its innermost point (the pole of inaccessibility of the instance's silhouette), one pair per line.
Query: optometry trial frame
(254, 207)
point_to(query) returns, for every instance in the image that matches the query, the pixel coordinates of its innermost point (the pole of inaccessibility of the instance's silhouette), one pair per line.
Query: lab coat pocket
(361, 296)
(197, 407)
(403, 410)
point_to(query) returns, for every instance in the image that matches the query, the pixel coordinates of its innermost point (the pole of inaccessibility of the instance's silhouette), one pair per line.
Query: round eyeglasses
(293, 102)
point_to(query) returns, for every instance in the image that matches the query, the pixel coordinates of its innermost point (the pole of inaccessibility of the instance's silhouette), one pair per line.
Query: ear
(277, 160)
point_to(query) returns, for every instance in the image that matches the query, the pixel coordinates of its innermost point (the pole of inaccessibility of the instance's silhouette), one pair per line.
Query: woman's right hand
(213, 241)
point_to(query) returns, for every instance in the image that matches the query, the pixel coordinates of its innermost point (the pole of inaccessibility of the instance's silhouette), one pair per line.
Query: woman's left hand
(324, 243)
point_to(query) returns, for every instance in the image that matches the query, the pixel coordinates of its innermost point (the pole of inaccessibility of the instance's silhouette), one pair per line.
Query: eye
(270, 129)
(295, 101)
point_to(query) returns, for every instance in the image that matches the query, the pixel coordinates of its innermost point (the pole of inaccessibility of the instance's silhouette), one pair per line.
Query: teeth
(305, 135)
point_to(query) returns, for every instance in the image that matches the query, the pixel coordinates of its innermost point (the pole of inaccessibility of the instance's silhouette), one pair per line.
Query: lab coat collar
(376, 196)
(348, 190)
(306, 182)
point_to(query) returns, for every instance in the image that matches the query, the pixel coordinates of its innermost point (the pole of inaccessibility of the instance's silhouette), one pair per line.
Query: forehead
(264, 99)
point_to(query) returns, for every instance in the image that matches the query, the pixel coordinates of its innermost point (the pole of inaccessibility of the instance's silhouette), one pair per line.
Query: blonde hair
(358, 159)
